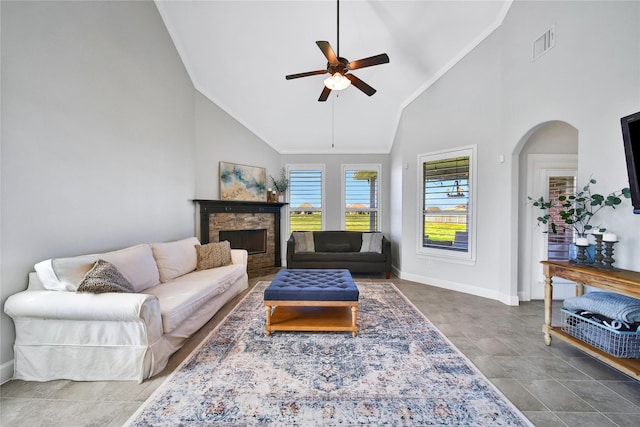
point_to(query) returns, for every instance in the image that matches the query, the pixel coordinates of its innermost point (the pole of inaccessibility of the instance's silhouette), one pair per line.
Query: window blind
(446, 203)
(305, 200)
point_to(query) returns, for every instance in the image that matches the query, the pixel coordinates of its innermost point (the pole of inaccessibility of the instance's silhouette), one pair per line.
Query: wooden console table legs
(548, 299)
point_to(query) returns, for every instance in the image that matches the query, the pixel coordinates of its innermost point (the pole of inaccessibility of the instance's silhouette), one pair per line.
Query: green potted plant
(576, 211)
(281, 184)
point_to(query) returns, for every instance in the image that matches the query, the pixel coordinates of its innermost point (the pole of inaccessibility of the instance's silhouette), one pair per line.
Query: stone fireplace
(254, 226)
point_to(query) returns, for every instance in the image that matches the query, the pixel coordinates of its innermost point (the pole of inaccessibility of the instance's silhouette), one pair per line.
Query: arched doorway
(549, 155)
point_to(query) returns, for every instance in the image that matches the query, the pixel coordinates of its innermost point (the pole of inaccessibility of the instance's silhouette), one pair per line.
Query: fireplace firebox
(254, 241)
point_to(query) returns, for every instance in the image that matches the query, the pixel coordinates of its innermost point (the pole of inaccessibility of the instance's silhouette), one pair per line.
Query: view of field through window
(361, 200)
(305, 200)
(446, 203)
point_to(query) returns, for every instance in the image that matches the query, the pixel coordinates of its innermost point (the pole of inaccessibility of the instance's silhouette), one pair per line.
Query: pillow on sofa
(213, 255)
(371, 242)
(303, 241)
(104, 277)
(63, 274)
(136, 263)
(176, 258)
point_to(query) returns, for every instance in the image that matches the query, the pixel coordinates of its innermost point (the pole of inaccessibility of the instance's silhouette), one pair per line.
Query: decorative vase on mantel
(280, 198)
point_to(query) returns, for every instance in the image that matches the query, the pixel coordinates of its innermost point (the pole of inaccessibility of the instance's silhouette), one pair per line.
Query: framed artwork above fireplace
(241, 182)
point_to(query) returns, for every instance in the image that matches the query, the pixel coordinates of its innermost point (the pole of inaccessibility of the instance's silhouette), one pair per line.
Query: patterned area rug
(399, 370)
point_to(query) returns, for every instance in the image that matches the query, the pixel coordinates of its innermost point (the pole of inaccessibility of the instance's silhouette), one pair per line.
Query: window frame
(462, 257)
(302, 167)
(377, 167)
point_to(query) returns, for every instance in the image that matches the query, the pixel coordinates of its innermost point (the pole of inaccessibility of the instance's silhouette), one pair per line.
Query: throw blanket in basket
(609, 304)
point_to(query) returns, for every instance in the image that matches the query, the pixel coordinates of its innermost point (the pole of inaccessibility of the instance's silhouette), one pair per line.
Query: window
(360, 197)
(447, 182)
(306, 197)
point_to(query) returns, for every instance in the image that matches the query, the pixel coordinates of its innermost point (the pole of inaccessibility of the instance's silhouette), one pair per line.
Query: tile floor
(552, 386)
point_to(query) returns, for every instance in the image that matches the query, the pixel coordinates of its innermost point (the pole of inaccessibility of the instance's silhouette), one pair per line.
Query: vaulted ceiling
(238, 52)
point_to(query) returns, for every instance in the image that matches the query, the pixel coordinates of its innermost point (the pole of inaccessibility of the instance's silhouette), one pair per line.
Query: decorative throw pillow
(104, 277)
(371, 242)
(303, 241)
(213, 255)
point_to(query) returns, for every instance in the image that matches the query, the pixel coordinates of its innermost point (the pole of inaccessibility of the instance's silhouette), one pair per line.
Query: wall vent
(544, 43)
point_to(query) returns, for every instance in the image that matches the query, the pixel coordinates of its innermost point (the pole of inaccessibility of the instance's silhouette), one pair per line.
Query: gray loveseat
(340, 249)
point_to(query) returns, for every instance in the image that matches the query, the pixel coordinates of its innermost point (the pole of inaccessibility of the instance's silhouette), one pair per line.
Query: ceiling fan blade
(368, 62)
(308, 73)
(325, 47)
(360, 84)
(325, 94)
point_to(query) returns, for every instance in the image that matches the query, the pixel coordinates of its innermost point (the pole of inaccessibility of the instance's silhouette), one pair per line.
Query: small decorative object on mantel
(280, 185)
(575, 212)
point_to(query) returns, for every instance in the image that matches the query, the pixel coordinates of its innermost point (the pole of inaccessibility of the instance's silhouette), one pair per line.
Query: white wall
(494, 97)
(219, 137)
(97, 139)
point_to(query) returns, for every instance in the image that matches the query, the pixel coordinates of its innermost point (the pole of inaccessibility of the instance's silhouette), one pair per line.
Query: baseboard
(6, 372)
(461, 287)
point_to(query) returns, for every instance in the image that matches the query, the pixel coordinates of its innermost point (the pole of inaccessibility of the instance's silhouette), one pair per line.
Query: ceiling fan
(338, 67)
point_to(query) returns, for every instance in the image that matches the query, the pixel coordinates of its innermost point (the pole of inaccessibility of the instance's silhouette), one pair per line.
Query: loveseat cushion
(323, 257)
(136, 263)
(175, 258)
(337, 241)
(184, 295)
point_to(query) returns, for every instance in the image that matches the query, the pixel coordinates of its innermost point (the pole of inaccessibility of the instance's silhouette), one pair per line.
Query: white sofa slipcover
(61, 334)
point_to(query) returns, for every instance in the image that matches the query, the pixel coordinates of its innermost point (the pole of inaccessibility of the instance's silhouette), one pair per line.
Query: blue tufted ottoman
(311, 300)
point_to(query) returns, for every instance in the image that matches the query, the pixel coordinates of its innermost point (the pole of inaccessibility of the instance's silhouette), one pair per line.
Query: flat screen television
(631, 138)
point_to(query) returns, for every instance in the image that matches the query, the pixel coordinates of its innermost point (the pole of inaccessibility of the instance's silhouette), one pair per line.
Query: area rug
(398, 370)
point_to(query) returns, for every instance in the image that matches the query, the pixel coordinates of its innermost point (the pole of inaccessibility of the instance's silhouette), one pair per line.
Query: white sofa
(63, 334)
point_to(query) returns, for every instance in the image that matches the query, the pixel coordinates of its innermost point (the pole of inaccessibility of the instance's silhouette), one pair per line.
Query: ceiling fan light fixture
(337, 82)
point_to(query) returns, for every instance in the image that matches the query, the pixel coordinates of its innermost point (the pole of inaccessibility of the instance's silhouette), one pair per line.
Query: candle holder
(581, 258)
(598, 257)
(608, 258)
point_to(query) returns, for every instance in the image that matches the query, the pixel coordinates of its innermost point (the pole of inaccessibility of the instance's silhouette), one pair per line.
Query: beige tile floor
(552, 386)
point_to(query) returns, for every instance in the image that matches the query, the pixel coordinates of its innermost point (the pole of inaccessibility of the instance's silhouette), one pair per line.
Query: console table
(614, 280)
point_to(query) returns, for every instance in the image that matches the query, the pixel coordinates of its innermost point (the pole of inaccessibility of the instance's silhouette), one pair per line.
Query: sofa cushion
(304, 241)
(183, 296)
(175, 258)
(213, 255)
(338, 247)
(136, 263)
(371, 242)
(326, 241)
(63, 274)
(104, 277)
(325, 257)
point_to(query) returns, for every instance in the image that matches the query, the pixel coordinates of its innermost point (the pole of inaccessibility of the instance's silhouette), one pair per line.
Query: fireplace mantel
(209, 207)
